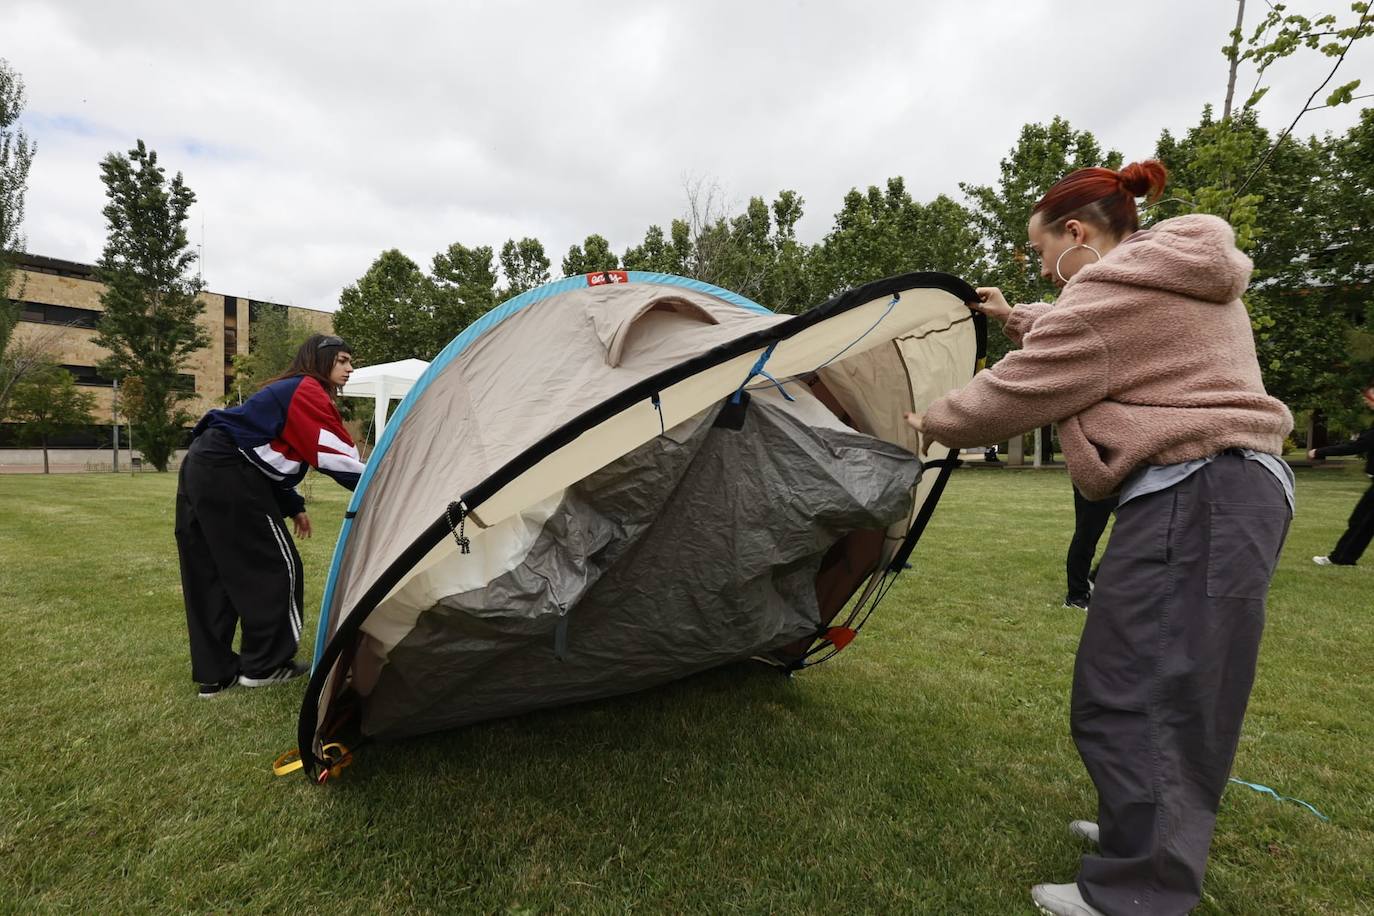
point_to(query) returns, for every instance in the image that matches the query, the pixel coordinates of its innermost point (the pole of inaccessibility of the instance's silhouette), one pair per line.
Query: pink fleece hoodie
(1146, 358)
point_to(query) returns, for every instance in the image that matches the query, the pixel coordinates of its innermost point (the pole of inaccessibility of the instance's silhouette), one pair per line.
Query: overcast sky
(316, 135)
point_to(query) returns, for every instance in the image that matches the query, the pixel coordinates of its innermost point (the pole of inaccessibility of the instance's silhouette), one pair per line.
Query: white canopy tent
(384, 383)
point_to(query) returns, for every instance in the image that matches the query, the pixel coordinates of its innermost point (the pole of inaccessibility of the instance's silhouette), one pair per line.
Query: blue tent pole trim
(456, 346)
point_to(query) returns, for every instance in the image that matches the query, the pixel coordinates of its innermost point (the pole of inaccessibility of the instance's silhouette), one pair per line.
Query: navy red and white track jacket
(290, 426)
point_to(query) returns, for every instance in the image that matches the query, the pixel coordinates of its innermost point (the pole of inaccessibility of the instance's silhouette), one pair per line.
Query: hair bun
(1144, 179)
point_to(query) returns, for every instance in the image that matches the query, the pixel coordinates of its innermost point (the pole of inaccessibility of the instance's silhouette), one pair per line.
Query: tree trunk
(1047, 445)
(1235, 62)
(1316, 430)
(45, 454)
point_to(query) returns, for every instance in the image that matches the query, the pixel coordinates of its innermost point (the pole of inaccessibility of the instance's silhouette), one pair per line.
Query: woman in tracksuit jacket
(237, 483)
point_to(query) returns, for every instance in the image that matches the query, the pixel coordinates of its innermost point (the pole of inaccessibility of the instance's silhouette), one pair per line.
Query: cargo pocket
(1244, 542)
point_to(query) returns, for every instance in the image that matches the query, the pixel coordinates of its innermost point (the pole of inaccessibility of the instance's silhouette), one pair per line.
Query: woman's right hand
(992, 303)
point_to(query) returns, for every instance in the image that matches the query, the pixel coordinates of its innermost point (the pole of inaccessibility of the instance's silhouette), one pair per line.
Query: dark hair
(315, 358)
(1102, 197)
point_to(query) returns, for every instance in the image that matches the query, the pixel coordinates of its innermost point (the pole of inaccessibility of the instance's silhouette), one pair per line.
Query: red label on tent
(607, 276)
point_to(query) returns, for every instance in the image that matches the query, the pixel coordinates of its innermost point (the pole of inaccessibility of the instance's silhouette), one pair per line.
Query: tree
(659, 254)
(884, 232)
(786, 286)
(48, 403)
(524, 265)
(1043, 154)
(150, 297)
(386, 315)
(1282, 34)
(463, 288)
(593, 255)
(22, 356)
(273, 341)
(16, 155)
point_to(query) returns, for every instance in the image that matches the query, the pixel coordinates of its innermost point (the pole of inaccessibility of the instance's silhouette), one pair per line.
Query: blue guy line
(896, 297)
(1265, 790)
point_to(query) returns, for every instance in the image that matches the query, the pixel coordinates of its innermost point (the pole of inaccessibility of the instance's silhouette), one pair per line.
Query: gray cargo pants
(1163, 674)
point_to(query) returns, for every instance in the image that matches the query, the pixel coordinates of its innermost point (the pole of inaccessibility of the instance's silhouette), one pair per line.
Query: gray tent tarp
(652, 476)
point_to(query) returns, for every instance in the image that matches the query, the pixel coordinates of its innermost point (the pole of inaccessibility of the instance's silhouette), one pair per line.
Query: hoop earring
(1060, 259)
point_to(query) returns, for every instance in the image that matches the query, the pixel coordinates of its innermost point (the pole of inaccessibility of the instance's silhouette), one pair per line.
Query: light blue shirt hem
(1155, 477)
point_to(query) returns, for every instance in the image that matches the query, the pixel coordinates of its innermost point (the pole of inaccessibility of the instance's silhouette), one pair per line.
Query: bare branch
(1355, 34)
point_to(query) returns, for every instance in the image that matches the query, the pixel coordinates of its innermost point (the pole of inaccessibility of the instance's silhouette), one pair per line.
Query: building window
(89, 376)
(43, 313)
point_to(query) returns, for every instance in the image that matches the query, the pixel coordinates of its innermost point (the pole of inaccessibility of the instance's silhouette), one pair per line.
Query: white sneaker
(1062, 900)
(1085, 830)
(1323, 561)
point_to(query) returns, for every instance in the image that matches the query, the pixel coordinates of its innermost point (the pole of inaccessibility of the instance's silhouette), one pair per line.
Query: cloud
(316, 135)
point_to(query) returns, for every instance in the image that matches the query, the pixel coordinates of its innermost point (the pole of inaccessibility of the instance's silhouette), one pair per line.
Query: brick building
(60, 305)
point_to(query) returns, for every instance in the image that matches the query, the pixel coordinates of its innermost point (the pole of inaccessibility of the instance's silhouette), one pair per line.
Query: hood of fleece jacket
(1193, 255)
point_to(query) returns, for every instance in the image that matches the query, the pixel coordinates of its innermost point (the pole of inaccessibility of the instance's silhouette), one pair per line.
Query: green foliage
(1207, 165)
(395, 311)
(1043, 154)
(524, 265)
(657, 253)
(273, 341)
(387, 314)
(151, 306)
(1281, 34)
(48, 403)
(592, 255)
(464, 289)
(787, 282)
(754, 253)
(16, 155)
(884, 232)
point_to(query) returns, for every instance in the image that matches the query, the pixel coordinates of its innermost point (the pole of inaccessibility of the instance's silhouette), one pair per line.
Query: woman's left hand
(302, 525)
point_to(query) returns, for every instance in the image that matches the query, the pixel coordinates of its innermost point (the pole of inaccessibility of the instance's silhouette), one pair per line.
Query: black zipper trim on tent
(569, 432)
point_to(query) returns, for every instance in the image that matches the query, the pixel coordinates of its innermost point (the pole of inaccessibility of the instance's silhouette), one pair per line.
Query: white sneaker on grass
(1323, 561)
(1062, 900)
(1085, 830)
(287, 672)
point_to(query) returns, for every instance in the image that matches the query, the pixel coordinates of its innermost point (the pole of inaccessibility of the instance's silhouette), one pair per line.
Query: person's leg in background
(1090, 519)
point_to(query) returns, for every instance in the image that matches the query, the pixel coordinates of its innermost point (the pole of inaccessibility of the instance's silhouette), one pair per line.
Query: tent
(384, 383)
(623, 478)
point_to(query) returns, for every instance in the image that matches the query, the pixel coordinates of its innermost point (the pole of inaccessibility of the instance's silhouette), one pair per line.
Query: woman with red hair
(1147, 363)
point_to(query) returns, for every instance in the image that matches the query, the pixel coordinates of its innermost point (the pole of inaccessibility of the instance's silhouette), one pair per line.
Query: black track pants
(1358, 532)
(1090, 519)
(238, 566)
(1163, 675)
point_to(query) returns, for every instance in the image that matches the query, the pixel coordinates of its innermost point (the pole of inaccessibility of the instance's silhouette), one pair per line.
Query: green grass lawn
(927, 769)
